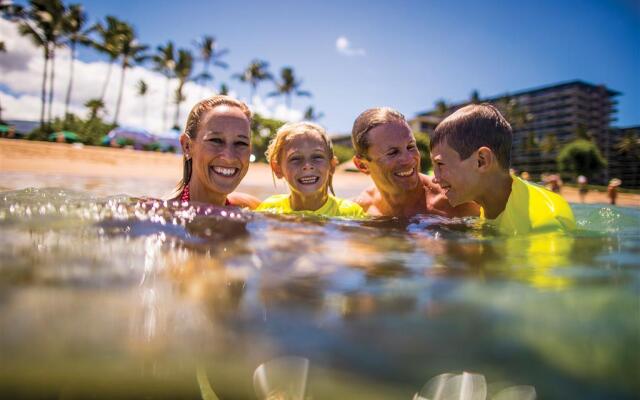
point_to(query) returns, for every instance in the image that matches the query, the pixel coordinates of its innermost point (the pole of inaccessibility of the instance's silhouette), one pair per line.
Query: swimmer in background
(471, 153)
(302, 154)
(612, 190)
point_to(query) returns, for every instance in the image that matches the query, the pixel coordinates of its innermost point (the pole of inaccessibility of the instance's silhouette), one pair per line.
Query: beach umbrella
(68, 136)
(4, 128)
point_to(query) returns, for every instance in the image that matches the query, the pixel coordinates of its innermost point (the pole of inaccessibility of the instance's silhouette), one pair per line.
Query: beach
(30, 163)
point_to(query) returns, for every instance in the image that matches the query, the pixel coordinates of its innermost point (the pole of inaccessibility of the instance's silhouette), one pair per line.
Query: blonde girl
(302, 154)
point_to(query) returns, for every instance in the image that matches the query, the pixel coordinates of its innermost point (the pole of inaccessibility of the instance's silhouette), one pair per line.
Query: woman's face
(220, 150)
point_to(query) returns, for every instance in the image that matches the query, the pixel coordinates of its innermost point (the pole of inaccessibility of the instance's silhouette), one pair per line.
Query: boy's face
(459, 178)
(395, 159)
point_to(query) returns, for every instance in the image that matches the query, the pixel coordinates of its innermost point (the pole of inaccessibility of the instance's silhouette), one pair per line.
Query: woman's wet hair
(368, 120)
(193, 121)
(288, 131)
(475, 126)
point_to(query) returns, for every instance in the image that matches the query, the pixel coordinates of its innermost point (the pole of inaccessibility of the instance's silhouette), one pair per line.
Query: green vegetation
(262, 130)
(580, 157)
(423, 143)
(343, 153)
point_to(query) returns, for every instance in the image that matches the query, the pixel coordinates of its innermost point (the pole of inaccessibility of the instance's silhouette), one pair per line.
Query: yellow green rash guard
(532, 209)
(333, 207)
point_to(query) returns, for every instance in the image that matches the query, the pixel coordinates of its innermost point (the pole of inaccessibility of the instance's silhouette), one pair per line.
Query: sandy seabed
(32, 164)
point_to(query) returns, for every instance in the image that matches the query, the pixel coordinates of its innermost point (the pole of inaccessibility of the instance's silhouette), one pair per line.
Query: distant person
(471, 153)
(216, 146)
(386, 150)
(612, 190)
(525, 176)
(302, 154)
(553, 182)
(582, 188)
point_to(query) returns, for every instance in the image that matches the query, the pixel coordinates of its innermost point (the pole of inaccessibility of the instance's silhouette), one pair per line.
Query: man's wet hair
(475, 126)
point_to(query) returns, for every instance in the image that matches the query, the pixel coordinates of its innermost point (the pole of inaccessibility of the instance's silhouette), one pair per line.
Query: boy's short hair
(475, 126)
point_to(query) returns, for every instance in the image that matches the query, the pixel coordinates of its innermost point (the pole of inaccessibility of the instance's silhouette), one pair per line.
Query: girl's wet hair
(191, 128)
(288, 131)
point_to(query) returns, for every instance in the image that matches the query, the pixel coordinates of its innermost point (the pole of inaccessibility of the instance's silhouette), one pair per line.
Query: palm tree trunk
(178, 101)
(115, 117)
(51, 88)
(71, 64)
(288, 100)
(164, 106)
(144, 110)
(106, 82)
(206, 72)
(252, 92)
(44, 88)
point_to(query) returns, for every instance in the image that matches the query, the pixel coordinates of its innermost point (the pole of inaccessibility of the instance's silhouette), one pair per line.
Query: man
(386, 150)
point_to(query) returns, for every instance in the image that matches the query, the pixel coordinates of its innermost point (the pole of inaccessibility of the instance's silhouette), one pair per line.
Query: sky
(353, 55)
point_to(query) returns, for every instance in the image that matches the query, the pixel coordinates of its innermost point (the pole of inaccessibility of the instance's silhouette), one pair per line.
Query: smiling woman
(217, 146)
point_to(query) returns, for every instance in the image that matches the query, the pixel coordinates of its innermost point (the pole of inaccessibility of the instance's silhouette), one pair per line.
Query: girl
(302, 154)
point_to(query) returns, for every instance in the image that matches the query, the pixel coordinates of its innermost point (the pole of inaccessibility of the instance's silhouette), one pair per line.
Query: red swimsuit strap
(185, 196)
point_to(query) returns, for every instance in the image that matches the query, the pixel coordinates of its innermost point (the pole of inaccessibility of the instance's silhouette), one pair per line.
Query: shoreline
(25, 158)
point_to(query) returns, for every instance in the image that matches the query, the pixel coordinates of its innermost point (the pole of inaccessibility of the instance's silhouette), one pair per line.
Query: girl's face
(305, 164)
(221, 150)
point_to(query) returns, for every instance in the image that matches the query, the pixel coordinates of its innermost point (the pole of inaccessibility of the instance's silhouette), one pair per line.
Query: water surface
(116, 297)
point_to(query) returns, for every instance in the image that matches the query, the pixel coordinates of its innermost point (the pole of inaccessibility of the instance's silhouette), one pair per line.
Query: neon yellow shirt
(532, 209)
(333, 207)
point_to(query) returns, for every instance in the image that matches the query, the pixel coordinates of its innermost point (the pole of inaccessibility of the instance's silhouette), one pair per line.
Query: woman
(216, 146)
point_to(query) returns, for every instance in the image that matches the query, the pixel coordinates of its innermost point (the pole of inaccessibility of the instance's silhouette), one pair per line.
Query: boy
(471, 153)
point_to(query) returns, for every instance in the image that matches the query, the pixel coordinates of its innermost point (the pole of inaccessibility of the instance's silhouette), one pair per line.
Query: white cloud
(21, 69)
(344, 47)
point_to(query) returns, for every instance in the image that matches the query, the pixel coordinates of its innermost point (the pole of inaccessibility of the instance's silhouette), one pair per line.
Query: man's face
(394, 157)
(459, 178)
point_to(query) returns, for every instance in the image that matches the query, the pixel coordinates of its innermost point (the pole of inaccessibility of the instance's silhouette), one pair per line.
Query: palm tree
(254, 74)
(629, 145)
(143, 90)
(41, 22)
(207, 47)
(442, 108)
(310, 114)
(288, 85)
(94, 106)
(74, 29)
(475, 97)
(164, 62)
(224, 89)
(131, 52)
(3, 49)
(182, 71)
(110, 38)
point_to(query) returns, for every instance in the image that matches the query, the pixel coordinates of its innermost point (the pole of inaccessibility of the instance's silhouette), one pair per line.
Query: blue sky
(416, 52)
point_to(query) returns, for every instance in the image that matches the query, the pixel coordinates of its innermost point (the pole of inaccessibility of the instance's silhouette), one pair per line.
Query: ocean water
(113, 296)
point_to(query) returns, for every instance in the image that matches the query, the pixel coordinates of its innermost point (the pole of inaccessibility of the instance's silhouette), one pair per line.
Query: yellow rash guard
(333, 207)
(532, 209)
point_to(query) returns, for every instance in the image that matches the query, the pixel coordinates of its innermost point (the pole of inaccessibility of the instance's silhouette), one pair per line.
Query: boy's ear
(277, 170)
(361, 164)
(334, 164)
(485, 158)
(185, 142)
